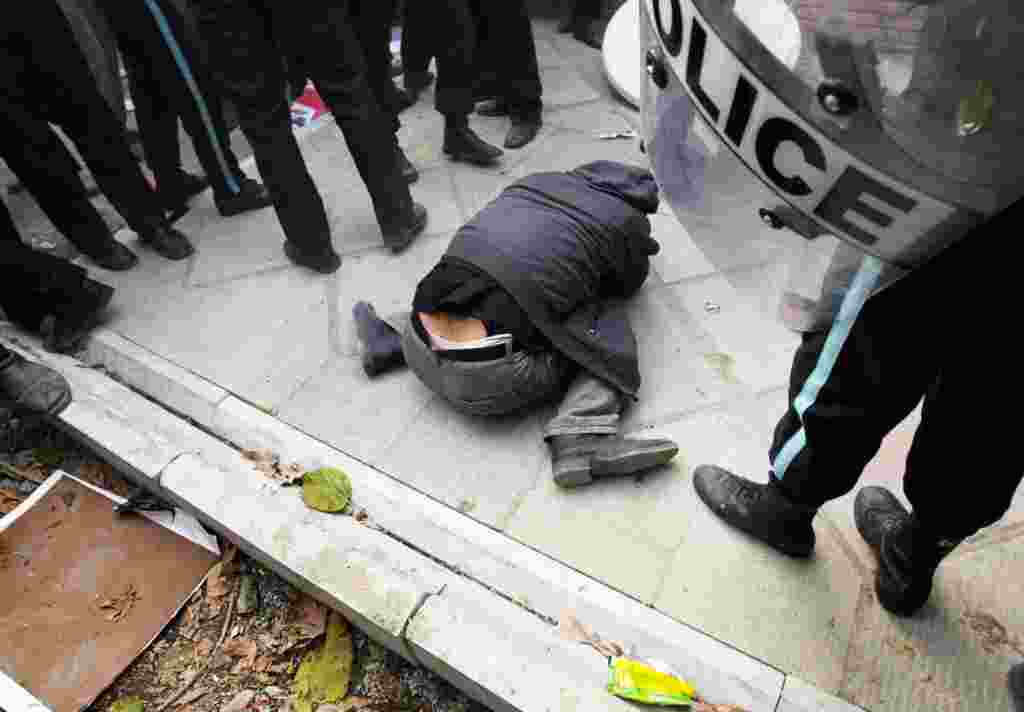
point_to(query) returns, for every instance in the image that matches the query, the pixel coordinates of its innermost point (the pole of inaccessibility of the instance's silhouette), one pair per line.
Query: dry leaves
(239, 702)
(571, 629)
(308, 621)
(217, 583)
(268, 463)
(992, 634)
(102, 475)
(705, 707)
(9, 499)
(33, 471)
(192, 696)
(245, 649)
(117, 606)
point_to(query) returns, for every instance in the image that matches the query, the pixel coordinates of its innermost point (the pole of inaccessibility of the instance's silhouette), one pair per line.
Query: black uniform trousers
(34, 152)
(245, 37)
(32, 283)
(372, 20)
(483, 48)
(938, 334)
(44, 77)
(169, 79)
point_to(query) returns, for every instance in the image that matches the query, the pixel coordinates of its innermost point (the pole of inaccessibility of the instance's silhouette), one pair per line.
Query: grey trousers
(518, 381)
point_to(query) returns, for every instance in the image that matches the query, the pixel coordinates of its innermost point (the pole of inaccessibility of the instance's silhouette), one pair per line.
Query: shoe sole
(578, 471)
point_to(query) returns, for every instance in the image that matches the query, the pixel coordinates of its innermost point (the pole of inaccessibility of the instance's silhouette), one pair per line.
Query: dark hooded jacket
(569, 247)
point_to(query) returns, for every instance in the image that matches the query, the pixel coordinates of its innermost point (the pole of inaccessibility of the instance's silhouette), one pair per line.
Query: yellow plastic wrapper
(637, 681)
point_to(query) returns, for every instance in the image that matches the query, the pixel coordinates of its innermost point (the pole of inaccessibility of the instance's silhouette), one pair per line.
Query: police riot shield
(843, 142)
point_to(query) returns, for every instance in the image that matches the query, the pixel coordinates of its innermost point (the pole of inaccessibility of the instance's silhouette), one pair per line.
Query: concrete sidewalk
(714, 362)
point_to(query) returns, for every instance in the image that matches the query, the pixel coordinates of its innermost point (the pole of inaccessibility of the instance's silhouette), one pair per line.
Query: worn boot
(907, 555)
(30, 388)
(252, 195)
(64, 330)
(761, 510)
(462, 144)
(524, 129)
(382, 345)
(400, 236)
(1015, 680)
(580, 459)
(326, 261)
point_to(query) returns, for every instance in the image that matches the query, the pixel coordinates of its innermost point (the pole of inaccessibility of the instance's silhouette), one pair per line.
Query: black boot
(167, 242)
(492, 107)
(382, 345)
(31, 388)
(907, 555)
(175, 198)
(108, 253)
(326, 262)
(580, 459)
(523, 130)
(252, 195)
(1015, 680)
(405, 166)
(400, 236)
(64, 330)
(463, 145)
(761, 510)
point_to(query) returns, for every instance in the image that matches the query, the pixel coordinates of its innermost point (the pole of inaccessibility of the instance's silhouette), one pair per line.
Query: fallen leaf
(243, 648)
(263, 663)
(203, 648)
(33, 472)
(705, 707)
(9, 499)
(326, 490)
(217, 584)
(103, 476)
(324, 675)
(608, 649)
(362, 516)
(259, 455)
(239, 702)
(128, 704)
(349, 704)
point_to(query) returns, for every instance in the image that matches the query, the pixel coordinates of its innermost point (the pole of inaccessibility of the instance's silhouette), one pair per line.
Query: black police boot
(252, 195)
(523, 130)
(108, 253)
(462, 144)
(400, 236)
(1015, 680)
(761, 510)
(382, 345)
(907, 555)
(326, 262)
(167, 242)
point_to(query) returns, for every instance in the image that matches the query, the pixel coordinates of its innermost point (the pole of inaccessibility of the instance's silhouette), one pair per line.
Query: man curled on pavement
(528, 305)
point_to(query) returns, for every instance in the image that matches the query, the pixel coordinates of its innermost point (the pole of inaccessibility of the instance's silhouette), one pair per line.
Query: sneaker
(760, 510)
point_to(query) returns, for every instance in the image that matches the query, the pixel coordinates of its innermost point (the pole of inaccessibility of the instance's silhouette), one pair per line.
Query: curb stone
(462, 599)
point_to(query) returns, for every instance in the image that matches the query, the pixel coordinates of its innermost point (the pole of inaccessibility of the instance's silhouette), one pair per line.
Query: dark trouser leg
(418, 25)
(372, 20)
(511, 54)
(158, 131)
(41, 161)
(590, 407)
(455, 29)
(850, 385)
(167, 62)
(320, 35)
(249, 65)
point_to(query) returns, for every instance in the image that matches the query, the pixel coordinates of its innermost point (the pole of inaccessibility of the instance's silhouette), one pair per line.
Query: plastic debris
(637, 681)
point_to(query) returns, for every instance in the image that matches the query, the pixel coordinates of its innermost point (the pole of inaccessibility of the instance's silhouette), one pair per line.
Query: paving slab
(362, 416)
(952, 655)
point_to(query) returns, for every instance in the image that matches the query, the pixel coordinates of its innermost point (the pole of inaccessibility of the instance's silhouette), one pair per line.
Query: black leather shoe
(326, 262)
(907, 556)
(382, 345)
(760, 510)
(401, 236)
(252, 195)
(462, 144)
(175, 198)
(416, 82)
(111, 255)
(31, 388)
(64, 331)
(492, 107)
(522, 131)
(405, 166)
(168, 242)
(1015, 681)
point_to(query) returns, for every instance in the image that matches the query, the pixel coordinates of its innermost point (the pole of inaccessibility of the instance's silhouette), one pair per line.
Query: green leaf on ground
(326, 489)
(49, 456)
(325, 673)
(128, 704)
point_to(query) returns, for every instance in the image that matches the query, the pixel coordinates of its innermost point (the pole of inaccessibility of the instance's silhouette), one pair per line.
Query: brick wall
(888, 22)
